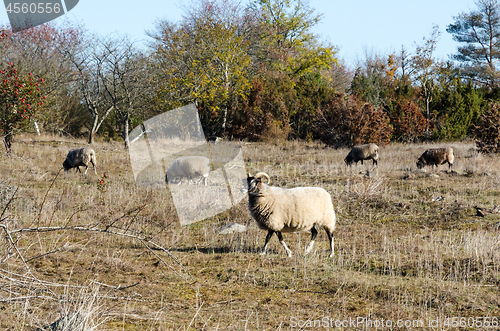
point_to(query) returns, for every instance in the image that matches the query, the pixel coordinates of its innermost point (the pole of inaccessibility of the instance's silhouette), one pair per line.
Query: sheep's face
(348, 160)
(66, 165)
(420, 163)
(253, 184)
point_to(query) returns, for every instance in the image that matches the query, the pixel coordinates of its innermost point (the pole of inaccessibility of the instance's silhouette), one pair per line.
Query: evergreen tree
(479, 34)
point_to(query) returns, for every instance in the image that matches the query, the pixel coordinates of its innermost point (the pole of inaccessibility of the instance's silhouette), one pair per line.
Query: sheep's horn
(263, 174)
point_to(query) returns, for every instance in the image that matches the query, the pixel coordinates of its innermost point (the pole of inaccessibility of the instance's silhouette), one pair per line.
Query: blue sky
(357, 27)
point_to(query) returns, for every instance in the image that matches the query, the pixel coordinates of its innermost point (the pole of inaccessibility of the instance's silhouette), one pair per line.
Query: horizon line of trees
(255, 71)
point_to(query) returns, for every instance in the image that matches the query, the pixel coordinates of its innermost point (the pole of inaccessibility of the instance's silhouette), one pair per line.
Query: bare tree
(89, 59)
(425, 67)
(124, 78)
(404, 62)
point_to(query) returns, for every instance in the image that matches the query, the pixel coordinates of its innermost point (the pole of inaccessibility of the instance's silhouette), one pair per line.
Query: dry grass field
(409, 246)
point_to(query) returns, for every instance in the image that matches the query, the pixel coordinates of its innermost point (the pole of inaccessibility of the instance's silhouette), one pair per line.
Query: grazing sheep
(77, 157)
(190, 167)
(362, 152)
(280, 210)
(435, 157)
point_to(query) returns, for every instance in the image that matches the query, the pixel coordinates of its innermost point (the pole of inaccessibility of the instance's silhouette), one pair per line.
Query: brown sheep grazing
(80, 157)
(435, 157)
(362, 152)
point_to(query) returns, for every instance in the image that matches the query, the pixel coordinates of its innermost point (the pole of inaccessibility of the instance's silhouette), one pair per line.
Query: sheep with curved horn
(280, 210)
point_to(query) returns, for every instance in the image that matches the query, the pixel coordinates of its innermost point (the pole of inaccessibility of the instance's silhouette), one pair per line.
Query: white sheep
(280, 210)
(362, 152)
(189, 167)
(77, 157)
(435, 157)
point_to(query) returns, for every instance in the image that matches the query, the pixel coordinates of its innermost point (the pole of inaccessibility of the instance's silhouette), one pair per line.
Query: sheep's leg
(282, 242)
(330, 237)
(268, 237)
(78, 168)
(86, 168)
(314, 233)
(93, 164)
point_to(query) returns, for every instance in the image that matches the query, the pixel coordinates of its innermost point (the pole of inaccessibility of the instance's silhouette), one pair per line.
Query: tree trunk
(7, 141)
(93, 130)
(224, 119)
(91, 137)
(427, 105)
(125, 130)
(226, 87)
(428, 113)
(96, 122)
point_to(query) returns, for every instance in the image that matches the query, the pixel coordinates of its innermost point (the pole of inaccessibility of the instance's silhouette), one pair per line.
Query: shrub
(457, 106)
(345, 121)
(407, 120)
(20, 98)
(265, 113)
(487, 131)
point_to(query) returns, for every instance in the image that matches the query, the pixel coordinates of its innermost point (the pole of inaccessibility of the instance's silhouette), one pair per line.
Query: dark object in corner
(480, 211)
